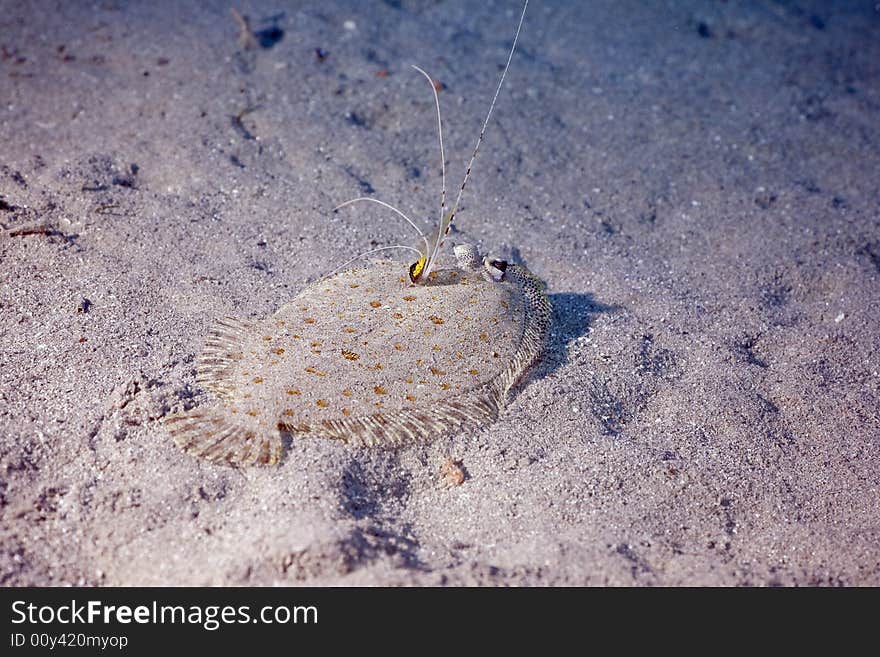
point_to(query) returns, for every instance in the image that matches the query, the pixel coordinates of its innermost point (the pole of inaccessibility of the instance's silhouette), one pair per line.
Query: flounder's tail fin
(218, 435)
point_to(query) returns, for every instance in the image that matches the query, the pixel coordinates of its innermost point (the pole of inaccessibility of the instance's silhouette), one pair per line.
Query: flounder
(367, 358)
(370, 356)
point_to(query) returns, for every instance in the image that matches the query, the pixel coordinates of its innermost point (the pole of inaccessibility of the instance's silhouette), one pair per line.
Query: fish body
(367, 358)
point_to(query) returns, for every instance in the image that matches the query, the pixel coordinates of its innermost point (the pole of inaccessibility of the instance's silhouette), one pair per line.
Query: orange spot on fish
(350, 355)
(379, 390)
(258, 379)
(375, 304)
(437, 371)
(309, 320)
(411, 397)
(294, 391)
(252, 413)
(409, 297)
(473, 372)
(323, 403)
(346, 412)
(279, 350)
(434, 318)
(346, 392)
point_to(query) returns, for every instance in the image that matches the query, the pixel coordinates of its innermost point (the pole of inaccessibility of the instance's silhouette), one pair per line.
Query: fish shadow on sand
(374, 494)
(572, 315)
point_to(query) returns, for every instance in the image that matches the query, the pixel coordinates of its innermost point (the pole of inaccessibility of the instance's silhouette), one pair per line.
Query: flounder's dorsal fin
(223, 349)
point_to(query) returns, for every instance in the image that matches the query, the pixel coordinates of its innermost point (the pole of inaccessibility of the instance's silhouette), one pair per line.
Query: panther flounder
(367, 358)
(370, 357)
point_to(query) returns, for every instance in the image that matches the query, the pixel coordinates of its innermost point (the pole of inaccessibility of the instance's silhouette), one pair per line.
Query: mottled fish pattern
(367, 358)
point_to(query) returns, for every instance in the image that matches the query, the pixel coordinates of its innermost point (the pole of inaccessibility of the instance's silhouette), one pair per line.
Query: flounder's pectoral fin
(213, 433)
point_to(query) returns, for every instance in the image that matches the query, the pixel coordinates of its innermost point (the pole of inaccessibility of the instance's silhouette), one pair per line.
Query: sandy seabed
(697, 184)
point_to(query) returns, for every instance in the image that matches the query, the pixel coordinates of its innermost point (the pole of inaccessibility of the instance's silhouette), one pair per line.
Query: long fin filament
(440, 135)
(370, 252)
(446, 221)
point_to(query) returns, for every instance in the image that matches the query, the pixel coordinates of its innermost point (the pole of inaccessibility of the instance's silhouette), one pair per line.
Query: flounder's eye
(416, 269)
(495, 268)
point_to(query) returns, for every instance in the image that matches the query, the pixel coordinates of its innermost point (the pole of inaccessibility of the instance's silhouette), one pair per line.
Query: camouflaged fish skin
(367, 358)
